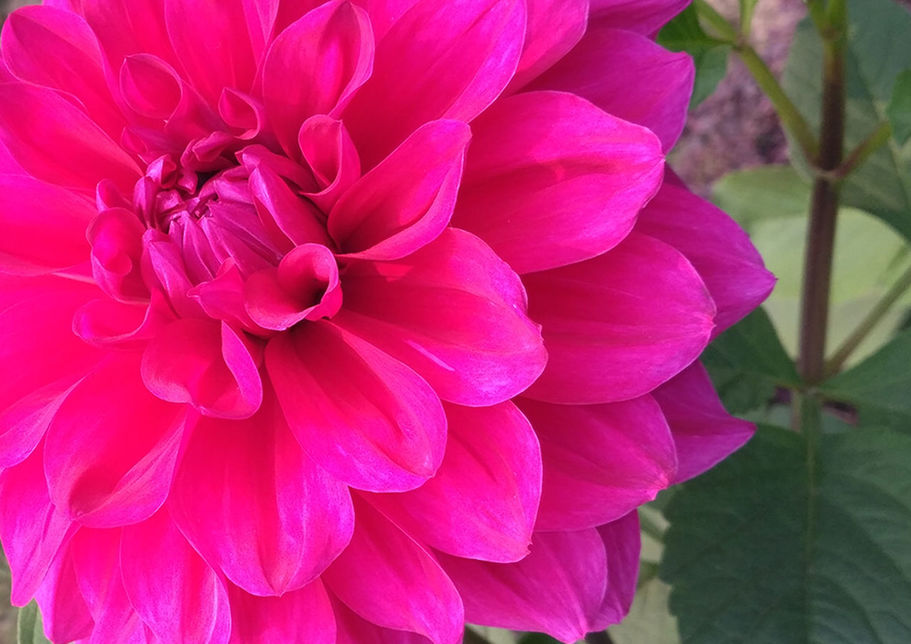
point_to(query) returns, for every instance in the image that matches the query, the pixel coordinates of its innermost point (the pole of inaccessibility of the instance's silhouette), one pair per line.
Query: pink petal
(703, 431)
(407, 200)
(127, 27)
(452, 311)
(720, 250)
(332, 48)
(303, 615)
(466, 55)
(493, 462)
(554, 26)
(174, 591)
(63, 609)
(116, 239)
(600, 461)
(197, 30)
(280, 209)
(362, 415)
(222, 297)
(82, 154)
(389, 580)
(557, 589)
(552, 180)
(629, 76)
(256, 507)
(243, 114)
(642, 16)
(619, 325)
(353, 629)
(31, 528)
(385, 13)
(329, 151)
(128, 325)
(100, 474)
(622, 544)
(57, 49)
(206, 364)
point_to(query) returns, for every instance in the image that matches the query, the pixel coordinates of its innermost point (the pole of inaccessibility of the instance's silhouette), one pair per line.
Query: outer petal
(452, 311)
(362, 415)
(65, 615)
(31, 528)
(332, 48)
(557, 589)
(721, 251)
(619, 325)
(552, 180)
(174, 591)
(302, 616)
(554, 26)
(100, 474)
(43, 226)
(407, 200)
(642, 16)
(82, 154)
(703, 431)
(127, 27)
(629, 76)
(482, 502)
(389, 580)
(600, 461)
(622, 544)
(467, 53)
(353, 629)
(256, 507)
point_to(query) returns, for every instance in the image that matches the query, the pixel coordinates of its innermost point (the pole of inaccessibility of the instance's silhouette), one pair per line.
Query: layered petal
(388, 579)
(622, 544)
(256, 507)
(718, 248)
(464, 58)
(177, 595)
(641, 16)
(553, 28)
(704, 433)
(600, 461)
(483, 500)
(452, 311)
(552, 180)
(619, 325)
(64, 613)
(362, 415)
(301, 616)
(629, 76)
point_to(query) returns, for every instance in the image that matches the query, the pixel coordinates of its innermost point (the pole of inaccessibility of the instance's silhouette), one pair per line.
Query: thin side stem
(823, 209)
(873, 318)
(864, 150)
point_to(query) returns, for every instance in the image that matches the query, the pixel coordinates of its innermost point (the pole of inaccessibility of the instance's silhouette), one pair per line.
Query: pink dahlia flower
(348, 321)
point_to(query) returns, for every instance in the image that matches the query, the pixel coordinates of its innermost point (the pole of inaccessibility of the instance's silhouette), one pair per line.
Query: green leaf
(775, 547)
(762, 193)
(877, 51)
(747, 363)
(881, 383)
(29, 628)
(710, 55)
(899, 109)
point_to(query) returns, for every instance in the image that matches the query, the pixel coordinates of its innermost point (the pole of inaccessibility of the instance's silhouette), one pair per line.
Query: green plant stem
(823, 206)
(791, 118)
(874, 317)
(859, 155)
(471, 637)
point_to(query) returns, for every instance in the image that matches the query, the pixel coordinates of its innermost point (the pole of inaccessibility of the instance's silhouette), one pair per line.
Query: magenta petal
(82, 154)
(557, 589)
(206, 364)
(64, 612)
(31, 527)
(329, 151)
(593, 171)
(492, 461)
(703, 431)
(332, 48)
(554, 26)
(452, 311)
(174, 591)
(720, 250)
(465, 56)
(280, 209)
(127, 27)
(600, 461)
(642, 16)
(622, 543)
(362, 415)
(257, 507)
(629, 76)
(619, 325)
(57, 49)
(303, 616)
(100, 474)
(389, 580)
(353, 629)
(407, 200)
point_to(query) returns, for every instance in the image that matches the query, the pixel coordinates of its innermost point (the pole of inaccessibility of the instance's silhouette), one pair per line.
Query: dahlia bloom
(348, 321)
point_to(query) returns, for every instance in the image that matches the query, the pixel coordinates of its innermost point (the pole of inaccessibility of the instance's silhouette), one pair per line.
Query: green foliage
(710, 55)
(899, 109)
(29, 629)
(785, 543)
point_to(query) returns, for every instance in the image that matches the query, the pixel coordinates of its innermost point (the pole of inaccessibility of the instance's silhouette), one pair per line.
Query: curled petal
(332, 156)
